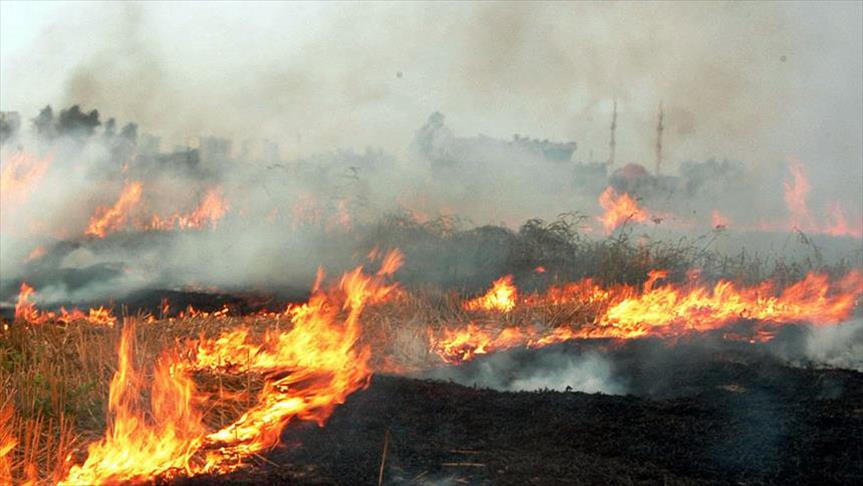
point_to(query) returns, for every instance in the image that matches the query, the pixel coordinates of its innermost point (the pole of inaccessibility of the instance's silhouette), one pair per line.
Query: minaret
(611, 143)
(659, 128)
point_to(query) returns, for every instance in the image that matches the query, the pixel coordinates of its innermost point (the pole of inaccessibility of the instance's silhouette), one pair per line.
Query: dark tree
(74, 122)
(110, 128)
(130, 132)
(44, 123)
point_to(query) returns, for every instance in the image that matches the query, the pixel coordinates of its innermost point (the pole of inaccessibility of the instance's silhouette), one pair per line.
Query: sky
(758, 82)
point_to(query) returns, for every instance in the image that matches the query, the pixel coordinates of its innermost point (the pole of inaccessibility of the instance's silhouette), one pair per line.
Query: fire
(839, 225)
(796, 192)
(26, 311)
(719, 220)
(619, 208)
(208, 213)
(7, 443)
(19, 175)
(36, 253)
(501, 297)
(667, 310)
(308, 370)
(110, 219)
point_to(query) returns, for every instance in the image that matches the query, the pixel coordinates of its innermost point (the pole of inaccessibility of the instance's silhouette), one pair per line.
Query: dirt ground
(726, 416)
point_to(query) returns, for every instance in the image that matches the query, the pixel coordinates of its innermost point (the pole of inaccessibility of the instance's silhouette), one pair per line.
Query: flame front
(501, 297)
(110, 219)
(618, 209)
(26, 311)
(625, 312)
(308, 371)
(208, 213)
(19, 175)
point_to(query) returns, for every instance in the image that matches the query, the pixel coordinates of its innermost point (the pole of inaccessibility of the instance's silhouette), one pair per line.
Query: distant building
(556, 151)
(211, 149)
(149, 144)
(181, 156)
(10, 123)
(259, 150)
(436, 142)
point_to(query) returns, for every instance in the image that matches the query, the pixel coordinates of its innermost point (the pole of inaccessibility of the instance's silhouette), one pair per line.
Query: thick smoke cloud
(748, 82)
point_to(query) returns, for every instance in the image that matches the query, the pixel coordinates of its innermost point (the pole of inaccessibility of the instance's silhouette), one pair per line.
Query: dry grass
(55, 378)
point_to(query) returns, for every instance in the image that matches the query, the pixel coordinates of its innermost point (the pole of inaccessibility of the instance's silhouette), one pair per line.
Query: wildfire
(7, 443)
(668, 310)
(719, 220)
(796, 192)
(26, 311)
(36, 253)
(501, 297)
(308, 371)
(839, 225)
(618, 209)
(19, 175)
(625, 312)
(208, 213)
(110, 219)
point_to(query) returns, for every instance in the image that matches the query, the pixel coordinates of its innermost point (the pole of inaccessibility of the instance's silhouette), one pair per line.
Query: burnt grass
(702, 414)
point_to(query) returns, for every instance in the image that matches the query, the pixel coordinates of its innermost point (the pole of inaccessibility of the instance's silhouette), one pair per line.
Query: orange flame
(796, 192)
(26, 311)
(7, 443)
(839, 225)
(669, 310)
(719, 220)
(501, 297)
(619, 208)
(36, 254)
(110, 219)
(309, 370)
(19, 175)
(208, 213)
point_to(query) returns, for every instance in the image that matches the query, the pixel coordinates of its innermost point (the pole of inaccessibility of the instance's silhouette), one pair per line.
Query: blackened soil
(745, 422)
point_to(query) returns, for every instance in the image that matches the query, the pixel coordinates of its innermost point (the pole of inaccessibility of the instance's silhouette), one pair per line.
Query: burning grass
(205, 393)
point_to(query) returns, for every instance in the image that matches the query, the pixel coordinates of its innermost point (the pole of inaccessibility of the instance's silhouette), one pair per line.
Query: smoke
(744, 81)
(839, 346)
(586, 371)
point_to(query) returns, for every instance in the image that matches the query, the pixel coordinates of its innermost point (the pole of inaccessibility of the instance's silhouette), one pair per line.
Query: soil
(731, 415)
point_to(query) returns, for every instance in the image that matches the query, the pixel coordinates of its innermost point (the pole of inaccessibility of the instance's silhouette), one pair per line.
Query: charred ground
(732, 414)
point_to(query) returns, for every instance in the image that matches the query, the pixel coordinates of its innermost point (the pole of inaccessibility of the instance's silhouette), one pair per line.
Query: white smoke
(839, 346)
(588, 372)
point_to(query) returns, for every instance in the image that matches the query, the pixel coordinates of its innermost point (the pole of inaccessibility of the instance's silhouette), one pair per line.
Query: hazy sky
(754, 81)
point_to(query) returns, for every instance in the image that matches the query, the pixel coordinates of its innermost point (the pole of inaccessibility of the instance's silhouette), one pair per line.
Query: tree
(74, 122)
(44, 123)
(130, 132)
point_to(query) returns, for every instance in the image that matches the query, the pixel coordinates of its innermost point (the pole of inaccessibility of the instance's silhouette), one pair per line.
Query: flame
(110, 219)
(501, 297)
(308, 371)
(36, 254)
(26, 311)
(839, 225)
(19, 176)
(7, 443)
(719, 220)
(619, 208)
(796, 192)
(668, 310)
(208, 213)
